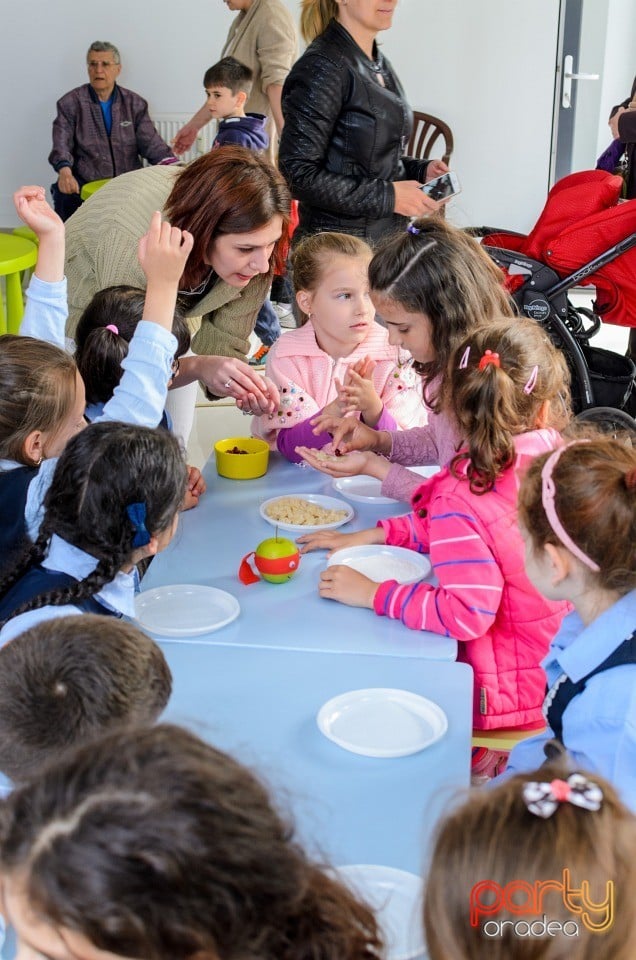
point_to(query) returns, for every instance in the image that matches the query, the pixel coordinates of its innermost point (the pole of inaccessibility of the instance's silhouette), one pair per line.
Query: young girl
(431, 285)
(508, 387)
(339, 360)
(564, 844)
(113, 500)
(577, 510)
(42, 397)
(151, 843)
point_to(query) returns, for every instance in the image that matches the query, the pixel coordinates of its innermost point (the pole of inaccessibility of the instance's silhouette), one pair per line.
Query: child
(506, 383)
(112, 502)
(227, 87)
(564, 844)
(431, 285)
(339, 360)
(110, 321)
(577, 511)
(150, 843)
(68, 680)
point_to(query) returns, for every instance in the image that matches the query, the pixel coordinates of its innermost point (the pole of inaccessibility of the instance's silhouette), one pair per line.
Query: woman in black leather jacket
(347, 124)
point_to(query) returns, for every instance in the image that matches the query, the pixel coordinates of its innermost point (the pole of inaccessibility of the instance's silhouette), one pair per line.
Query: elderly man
(101, 130)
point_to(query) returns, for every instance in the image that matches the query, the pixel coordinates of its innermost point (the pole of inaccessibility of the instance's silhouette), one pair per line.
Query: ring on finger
(228, 384)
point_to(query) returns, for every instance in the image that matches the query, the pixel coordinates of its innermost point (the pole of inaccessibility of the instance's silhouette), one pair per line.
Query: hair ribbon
(543, 799)
(137, 516)
(112, 328)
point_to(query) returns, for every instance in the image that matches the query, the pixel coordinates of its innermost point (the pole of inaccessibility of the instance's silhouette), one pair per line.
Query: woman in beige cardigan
(263, 37)
(236, 206)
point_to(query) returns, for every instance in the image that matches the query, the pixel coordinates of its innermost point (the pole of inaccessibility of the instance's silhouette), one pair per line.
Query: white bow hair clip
(542, 799)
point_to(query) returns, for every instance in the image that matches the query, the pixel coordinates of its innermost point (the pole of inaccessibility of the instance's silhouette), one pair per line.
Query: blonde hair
(313, 254)
(494, 404)
(315, 16)
(494, 837)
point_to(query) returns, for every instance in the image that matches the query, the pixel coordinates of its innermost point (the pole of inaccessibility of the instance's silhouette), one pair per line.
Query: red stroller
(583, 236)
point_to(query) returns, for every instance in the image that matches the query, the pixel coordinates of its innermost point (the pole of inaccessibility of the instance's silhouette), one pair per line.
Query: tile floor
(213, 421)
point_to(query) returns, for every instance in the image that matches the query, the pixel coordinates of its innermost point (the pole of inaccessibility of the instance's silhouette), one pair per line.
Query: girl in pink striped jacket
(339, 361)
(508, 389)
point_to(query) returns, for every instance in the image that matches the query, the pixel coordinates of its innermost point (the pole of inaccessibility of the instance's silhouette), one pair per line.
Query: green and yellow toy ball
(276, 559)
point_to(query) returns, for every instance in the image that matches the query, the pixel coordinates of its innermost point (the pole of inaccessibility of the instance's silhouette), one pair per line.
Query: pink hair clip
(489, 357)
(543, 799)
(463, 363)
(112, 328)
(532, 380)
(548, 491)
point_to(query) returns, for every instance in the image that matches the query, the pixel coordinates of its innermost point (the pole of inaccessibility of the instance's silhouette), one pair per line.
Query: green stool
(92, 187)
(27, 233)
(16, 255)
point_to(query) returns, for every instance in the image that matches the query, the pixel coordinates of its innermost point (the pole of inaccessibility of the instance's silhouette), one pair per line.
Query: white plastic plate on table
(382, 562)
(185, 609)
(382, 722)
(328, 503)
(365, 489)
(396, 898)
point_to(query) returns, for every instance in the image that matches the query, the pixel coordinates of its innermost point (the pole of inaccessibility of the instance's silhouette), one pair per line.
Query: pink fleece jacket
(484, 598)
(305, 376)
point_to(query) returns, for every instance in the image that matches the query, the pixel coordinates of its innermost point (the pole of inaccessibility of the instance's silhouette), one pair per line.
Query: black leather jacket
(344, 138)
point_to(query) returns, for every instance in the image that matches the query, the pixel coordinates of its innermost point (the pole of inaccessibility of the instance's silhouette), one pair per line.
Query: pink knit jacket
(305, 376)
(483, 598)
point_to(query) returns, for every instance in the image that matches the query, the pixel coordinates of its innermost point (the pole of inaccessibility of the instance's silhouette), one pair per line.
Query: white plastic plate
(382, 722)
(328, 503)
(365, 489)
(396, 897)
(185, 609)
(381, 562)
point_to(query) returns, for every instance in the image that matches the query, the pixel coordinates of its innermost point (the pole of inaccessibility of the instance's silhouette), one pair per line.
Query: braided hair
(104, 469)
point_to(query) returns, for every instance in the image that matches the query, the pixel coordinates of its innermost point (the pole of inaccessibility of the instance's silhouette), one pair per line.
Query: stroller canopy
(582, 220)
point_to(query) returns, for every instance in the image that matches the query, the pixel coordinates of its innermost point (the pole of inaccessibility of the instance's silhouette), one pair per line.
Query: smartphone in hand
(441, 188)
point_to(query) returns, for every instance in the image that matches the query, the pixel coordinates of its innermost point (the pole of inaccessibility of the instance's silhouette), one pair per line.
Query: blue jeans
(267, 326)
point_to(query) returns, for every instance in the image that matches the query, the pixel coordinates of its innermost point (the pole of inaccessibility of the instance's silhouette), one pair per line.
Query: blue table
(212, 539)
(261, 704)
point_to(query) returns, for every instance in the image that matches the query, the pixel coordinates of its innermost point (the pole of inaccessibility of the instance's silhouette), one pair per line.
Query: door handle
(568, 77)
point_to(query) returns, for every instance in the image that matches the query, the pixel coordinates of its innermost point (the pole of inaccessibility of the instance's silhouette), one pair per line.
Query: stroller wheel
(610, 420)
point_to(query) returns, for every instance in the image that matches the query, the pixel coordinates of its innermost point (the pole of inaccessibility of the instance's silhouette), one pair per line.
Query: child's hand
(350, 465)
(358, 394)
(346, 585)
(163, 251)
(195, 487)
(332, 540)
(34, 210)
(348, 433)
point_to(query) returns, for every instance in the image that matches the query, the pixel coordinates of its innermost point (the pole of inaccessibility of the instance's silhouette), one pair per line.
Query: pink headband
(548, 491)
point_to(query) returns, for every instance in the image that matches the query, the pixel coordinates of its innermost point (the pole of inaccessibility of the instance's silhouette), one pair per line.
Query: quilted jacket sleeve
(312, 98)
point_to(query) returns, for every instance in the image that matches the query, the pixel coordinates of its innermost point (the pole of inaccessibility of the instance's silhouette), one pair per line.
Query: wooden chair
(427, 130)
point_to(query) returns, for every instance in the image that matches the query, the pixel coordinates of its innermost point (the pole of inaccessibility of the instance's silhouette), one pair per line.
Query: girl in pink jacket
(508, 387)
(339, 361)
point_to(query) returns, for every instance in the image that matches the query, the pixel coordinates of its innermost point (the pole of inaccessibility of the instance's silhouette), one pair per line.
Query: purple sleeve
(300, 435)
(387, 421)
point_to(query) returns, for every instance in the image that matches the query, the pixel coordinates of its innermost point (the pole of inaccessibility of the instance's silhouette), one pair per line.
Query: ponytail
(315, 16)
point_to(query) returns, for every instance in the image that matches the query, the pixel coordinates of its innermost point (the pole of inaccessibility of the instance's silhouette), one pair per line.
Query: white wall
(620, 62)
(485, 66)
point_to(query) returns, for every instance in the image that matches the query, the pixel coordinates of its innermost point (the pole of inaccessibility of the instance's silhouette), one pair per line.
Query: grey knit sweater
(101, 250)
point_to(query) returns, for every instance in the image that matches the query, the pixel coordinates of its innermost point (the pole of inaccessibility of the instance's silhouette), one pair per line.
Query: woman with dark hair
(151, 843)
(347, 124)
(236, 206)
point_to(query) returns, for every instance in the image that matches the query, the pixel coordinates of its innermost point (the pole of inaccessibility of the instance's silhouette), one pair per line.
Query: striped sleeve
(465, 602)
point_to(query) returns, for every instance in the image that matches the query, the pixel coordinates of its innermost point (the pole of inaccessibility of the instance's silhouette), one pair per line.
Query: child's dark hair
(595, 502)
(314, 253)
(231, 73)
(38, 384)
(68, 680)
(103, 470)
(494, 402)
(494, 838)
(438, 270)
(100, 351)
(151, 843)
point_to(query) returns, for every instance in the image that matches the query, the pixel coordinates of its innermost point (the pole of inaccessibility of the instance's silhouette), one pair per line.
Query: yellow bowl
(241, 466)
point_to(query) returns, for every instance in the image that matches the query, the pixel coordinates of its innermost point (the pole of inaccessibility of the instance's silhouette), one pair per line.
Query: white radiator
(169, 124)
